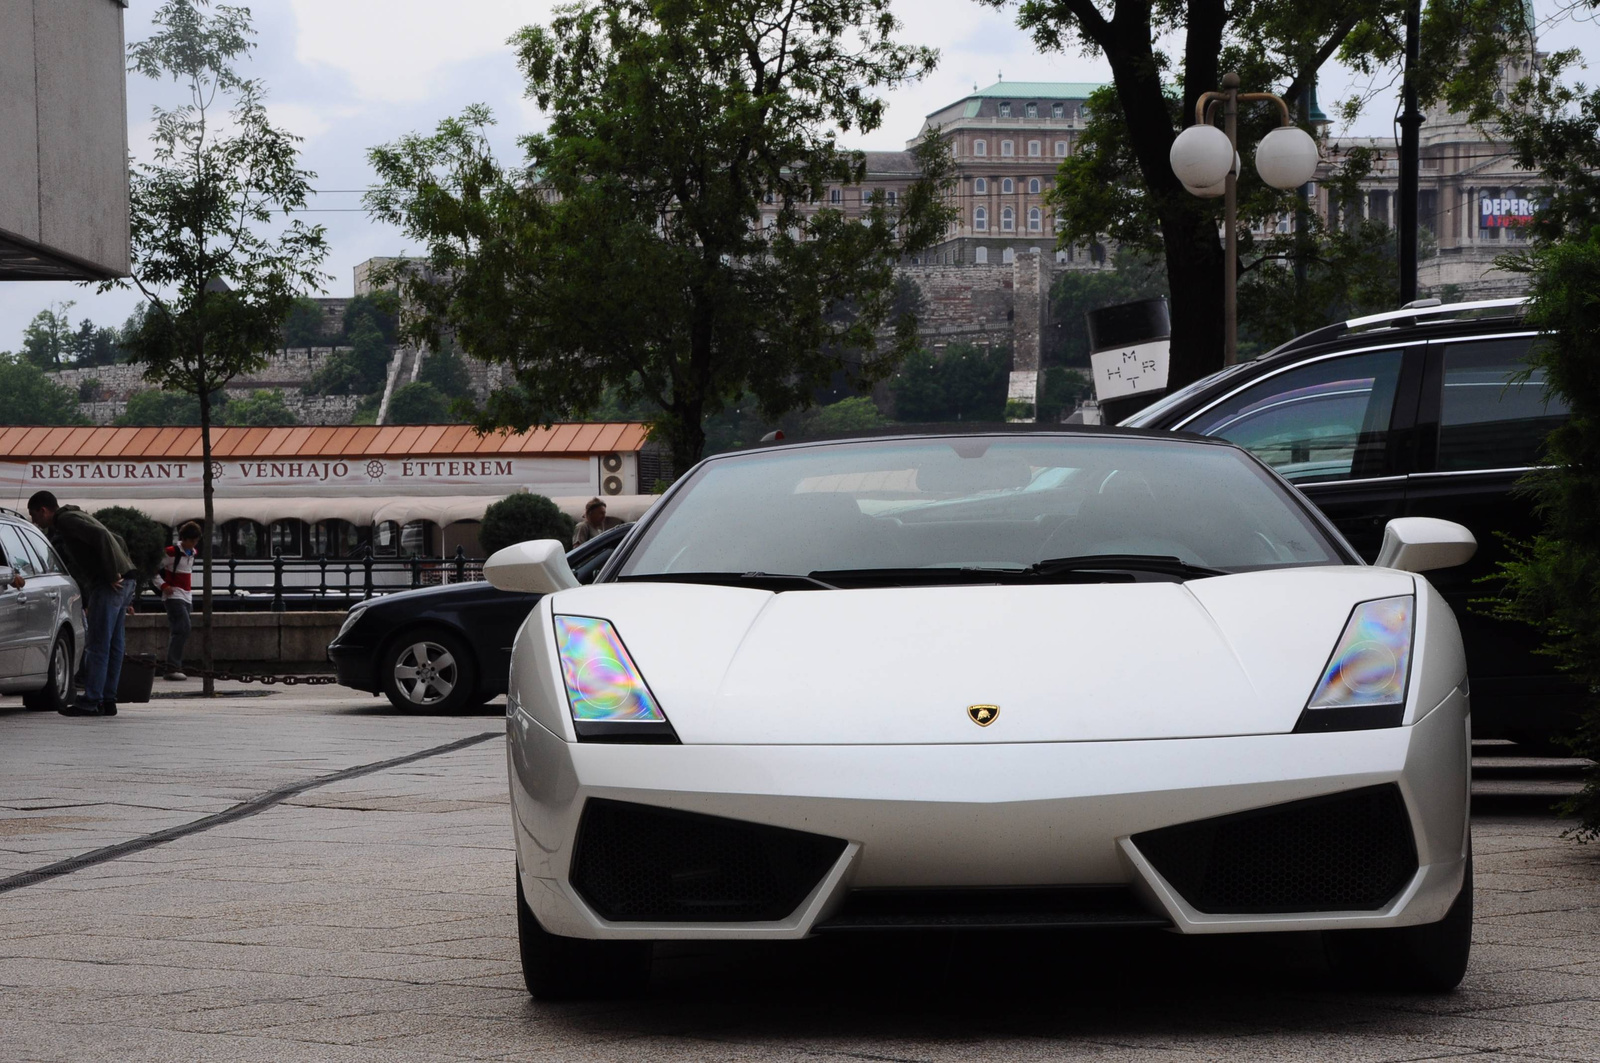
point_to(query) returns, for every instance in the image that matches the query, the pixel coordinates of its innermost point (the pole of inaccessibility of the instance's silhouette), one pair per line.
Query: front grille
(992, 908)
(639, 863)
(1351, 851)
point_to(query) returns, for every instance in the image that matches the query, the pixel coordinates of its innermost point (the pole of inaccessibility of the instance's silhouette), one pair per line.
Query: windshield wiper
(771, 581)
(1164, 564)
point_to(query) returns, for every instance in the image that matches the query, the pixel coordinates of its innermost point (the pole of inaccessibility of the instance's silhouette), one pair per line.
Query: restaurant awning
(439, 509)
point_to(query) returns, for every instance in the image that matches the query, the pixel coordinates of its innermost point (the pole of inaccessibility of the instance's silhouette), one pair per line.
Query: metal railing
(333, 579)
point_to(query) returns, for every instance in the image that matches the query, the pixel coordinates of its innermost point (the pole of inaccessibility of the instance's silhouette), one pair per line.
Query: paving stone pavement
(372, 919)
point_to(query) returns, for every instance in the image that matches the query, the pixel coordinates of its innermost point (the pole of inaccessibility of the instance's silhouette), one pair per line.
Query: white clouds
(392, 50)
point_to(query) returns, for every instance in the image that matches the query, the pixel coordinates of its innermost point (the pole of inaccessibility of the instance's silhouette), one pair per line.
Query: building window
(1007, 148)
(981, 256)
(769, 198)
(980, 219)
(386, 539)
(287, 537)
(1007, 187)
(1033, 186)
(1031, 110)
(1035, 149)
(980, 147)
(1005, 109)
(1057, 110)
(1378, 207)
(1008, 220)
(835, 196)
(891, 197)
(1061, 257)
(1061, 149)
(1008, 256)
(980, 186)
(1035, 220)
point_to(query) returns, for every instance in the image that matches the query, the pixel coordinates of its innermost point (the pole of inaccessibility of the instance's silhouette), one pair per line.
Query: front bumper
(961, 816)
(355, 666)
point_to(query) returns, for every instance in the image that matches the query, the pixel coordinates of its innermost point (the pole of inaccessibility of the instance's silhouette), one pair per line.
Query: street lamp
(1206, 160)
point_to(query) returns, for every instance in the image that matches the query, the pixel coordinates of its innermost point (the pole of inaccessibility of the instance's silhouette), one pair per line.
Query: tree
(156, 407)
(92, 345)
(660, 236)
(418, 404)
(261, 409)
(1137, 275)
(27, 396)
(147, 539)
(360, 370)
(380, 309)
(518, 518)
(217, 278)
(847, 415)
(1120, 183)
(966, 383)
(1553, 582)
(1060, 391)
(48, 336)
(305, 325)
(447, 371)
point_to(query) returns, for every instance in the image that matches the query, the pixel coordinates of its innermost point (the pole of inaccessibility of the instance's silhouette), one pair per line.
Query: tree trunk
(209, 685)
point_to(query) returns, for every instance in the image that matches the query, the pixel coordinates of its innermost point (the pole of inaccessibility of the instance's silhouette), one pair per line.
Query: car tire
(1431, 958)
(563, 968)
(428, 670)
(57, 691)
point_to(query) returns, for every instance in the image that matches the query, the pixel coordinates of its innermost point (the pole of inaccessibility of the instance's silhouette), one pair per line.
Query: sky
(349, 74)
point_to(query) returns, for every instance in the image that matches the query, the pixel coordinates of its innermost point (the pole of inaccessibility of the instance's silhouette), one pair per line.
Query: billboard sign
(1505, 212)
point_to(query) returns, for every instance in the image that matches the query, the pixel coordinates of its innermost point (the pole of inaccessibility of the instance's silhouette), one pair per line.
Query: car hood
(1228, 655)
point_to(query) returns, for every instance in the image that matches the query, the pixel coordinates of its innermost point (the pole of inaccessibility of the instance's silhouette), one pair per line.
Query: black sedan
(445, 649)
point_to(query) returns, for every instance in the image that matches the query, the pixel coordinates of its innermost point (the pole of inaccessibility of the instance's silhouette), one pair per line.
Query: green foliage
(1017, 410)
(147, 539)
(90, 389)
(518, 518)
(446, 371)
(418, 404)
(367, 409)
(1076, 292)
(1060, 391)
(1120, 184)
(27, 396)
(156, 407)
(305, 325)
(966, 383)
(362, 369)
(380, 309)
(847, 415)
(1553, 582)
(48, 337)
(633, 231)
(261, 409)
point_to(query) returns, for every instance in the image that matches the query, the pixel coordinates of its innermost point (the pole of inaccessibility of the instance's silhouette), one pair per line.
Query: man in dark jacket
(98, 559)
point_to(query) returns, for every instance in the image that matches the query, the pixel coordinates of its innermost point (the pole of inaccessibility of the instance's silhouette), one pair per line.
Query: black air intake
(1347, 852)
(638, 863)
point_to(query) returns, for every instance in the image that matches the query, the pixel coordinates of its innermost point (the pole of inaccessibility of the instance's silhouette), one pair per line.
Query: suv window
(1326, 420)
(1487, 418)
(16, 553)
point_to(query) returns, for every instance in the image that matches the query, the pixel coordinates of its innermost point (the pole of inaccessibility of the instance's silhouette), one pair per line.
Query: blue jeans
(106, 614)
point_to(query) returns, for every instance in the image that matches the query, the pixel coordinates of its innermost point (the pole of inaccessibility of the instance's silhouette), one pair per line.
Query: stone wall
(291, 641)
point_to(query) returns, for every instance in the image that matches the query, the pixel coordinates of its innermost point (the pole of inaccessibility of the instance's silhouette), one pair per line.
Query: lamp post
(1206, 160)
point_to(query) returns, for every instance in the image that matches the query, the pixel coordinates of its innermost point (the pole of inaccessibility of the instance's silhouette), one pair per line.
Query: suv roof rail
(1407, 316)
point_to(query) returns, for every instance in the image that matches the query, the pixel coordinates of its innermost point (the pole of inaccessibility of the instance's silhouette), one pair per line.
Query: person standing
(98, 559)
(176, 583)
(594, 522)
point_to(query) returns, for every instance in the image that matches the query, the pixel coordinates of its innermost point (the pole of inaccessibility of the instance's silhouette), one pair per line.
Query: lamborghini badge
(983, 715)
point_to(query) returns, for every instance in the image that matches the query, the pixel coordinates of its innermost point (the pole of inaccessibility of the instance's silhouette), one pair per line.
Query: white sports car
(1026, 680)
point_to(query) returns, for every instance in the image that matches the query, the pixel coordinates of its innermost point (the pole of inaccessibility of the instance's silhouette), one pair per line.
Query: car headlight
(356, 612)
(1363, 684)
(606, 693)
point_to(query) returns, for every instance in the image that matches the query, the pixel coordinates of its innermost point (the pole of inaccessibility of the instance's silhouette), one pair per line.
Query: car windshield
(977, 503)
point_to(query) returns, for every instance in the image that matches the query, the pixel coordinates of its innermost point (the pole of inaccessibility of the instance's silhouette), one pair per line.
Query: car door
(1338, 426)
(1480, 430)
(20, 653)
(61, 589)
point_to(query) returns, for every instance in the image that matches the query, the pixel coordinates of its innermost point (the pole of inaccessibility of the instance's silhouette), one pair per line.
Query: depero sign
(1505, 212)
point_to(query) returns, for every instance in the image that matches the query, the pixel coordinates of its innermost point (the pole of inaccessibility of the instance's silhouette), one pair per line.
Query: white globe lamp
(1213, 191)
(1200, 156)
(1287, 157)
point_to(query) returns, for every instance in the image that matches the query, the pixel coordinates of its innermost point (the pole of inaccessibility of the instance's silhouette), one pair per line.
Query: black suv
(1417, 413)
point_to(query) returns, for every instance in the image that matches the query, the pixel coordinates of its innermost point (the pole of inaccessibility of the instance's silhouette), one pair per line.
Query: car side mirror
(1422, 544)
(538, 566)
